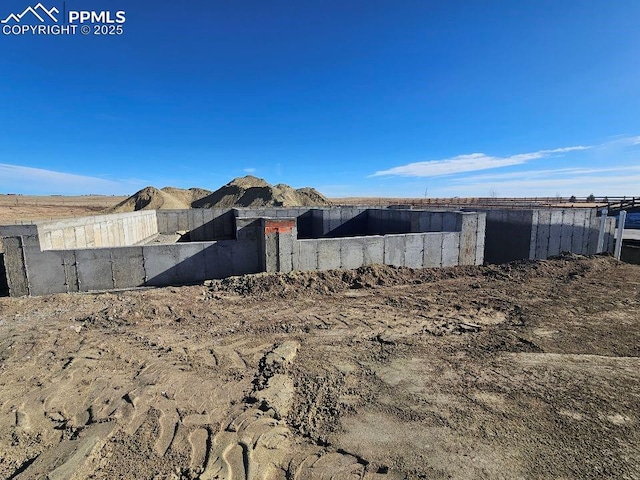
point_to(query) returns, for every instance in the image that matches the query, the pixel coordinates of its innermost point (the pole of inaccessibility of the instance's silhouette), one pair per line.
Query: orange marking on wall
(282, 226)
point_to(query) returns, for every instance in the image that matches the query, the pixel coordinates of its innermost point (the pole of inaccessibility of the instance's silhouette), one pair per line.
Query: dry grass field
(22, 208)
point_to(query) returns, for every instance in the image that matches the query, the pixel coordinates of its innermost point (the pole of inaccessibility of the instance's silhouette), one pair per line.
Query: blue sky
(376, 98)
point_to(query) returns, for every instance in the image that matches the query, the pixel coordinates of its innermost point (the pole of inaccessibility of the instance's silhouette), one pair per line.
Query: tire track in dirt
(256, 443)
(127, 387)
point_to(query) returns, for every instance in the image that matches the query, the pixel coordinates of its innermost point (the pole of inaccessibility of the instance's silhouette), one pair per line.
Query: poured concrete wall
(259, 244)
(219, 223)
(203, 224)
(570, 230)
(97, 231)
(542, 233)
(63, 256)
(415, 250)
(362, 221)
(391, 221)
(278, 244)
(508, 235)
(238, 241)
(462, 245)
(631, 252)
(31, 271)
(333, 222)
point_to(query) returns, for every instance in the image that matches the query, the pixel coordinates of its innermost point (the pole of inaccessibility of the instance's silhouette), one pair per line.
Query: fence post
(620, 233)
(603, 223)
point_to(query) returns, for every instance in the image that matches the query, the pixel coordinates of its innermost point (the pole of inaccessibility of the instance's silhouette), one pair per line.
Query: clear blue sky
(379, 98)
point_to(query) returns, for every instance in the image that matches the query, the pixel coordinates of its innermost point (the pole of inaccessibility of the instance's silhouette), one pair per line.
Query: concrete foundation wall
(631, 252)
(414, 250)
(99, 253)
(204, 224)
(217, 223)
(508, 235)
(194, 262)
(220, 223)
(34, 272)
(335, 222)
(277, 244)
(387, 238)
(362, 221)
(97, 231)
(391, 221)
(273, 212)
(542, 233)
(259, 244)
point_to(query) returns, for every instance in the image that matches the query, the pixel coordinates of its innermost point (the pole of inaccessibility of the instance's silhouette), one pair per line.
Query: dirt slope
(250, 191)
(168, 198)
(246, 191)
(187, 196)
(529, 370)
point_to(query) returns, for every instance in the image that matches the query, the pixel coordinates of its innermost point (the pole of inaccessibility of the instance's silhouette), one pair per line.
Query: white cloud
(21, 179)
(469, 163)
(532, 174)
(612, 181)
(249, 170)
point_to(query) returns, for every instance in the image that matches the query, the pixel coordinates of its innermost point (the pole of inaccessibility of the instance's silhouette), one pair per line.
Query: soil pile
(251, 191)
(266, 285)
(168, 198)
(187, 196)
(246, 191)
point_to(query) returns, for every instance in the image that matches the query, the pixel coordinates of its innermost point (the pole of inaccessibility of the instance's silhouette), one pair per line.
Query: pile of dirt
(246, 191)
(168, 198)
(263, 285)
(187, 196)
(328, 282)
(251, 191)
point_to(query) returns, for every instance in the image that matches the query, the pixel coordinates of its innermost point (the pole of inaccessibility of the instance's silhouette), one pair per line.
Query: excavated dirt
(167, 198)
(250, 191)
(528, 370)
(246, 191)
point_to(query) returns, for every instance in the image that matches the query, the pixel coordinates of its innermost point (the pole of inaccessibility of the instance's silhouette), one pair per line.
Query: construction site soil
(526, 370)
(248, 191)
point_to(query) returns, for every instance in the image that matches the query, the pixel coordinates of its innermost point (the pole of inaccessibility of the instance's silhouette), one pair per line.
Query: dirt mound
(569, 266)
(149, 198)
(251, 191)
(246, 191)
(248, 181)
(168, 198)
(311, 197)
(331, 281)
(187, 196)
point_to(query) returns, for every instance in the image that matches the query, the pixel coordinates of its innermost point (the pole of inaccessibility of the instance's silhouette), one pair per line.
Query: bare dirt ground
(16, 208)
(528, 370)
